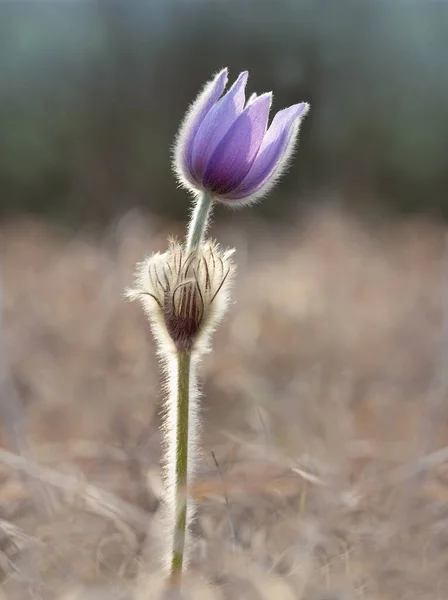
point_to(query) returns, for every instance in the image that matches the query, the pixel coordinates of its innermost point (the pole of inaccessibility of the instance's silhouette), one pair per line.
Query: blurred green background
(92, 93)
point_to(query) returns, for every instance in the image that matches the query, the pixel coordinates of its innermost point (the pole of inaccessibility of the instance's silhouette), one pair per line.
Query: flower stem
(199, 221)
(181, 458)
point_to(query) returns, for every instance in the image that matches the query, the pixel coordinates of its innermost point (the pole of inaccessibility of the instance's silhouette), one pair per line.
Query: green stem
(199, 221)
(181, 454)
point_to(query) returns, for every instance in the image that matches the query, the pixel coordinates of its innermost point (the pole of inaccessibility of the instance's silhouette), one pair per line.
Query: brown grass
(325, 469)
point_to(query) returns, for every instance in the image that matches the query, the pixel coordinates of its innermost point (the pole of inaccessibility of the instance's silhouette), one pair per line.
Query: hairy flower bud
(184, 294)
(225, 148)
(184, 311)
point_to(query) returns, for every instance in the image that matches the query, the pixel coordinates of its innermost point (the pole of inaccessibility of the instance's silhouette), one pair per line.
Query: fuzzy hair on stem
(199, 220)
(181, 427)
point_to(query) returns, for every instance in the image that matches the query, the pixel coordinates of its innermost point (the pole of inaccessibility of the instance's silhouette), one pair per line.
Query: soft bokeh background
(92, 93)
(324, 471)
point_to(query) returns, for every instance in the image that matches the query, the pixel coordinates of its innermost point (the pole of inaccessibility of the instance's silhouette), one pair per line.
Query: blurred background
(92, 93)
(323, 474)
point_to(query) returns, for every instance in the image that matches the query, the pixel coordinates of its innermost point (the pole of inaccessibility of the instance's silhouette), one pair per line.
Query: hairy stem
(181, 462)
(199, 221)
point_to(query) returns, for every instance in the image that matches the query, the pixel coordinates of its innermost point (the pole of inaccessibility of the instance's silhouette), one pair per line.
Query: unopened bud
(184, 294)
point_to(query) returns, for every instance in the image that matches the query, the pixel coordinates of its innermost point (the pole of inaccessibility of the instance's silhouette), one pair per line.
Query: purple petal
(251, 99)
(202, 105)
(216, 124)
(235, 154)
(274, 151)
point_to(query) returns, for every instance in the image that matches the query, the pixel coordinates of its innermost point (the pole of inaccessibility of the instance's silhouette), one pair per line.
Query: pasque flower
(225, 147)
(225, 151)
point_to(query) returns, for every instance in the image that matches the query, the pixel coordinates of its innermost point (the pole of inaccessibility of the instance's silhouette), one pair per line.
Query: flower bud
(184, 294)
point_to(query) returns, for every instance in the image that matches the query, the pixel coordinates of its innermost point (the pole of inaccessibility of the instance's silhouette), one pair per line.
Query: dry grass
(325, 469)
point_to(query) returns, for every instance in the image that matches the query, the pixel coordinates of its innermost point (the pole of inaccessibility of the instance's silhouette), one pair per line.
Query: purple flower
(224, 146)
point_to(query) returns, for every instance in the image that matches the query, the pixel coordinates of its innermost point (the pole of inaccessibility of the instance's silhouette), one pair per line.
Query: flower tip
(251, 99)
(242, 77)
(222, 75)
(263, 102)
(267, 96)
(303, 109)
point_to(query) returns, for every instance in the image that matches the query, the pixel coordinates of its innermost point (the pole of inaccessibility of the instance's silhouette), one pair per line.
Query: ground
(324, 471)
